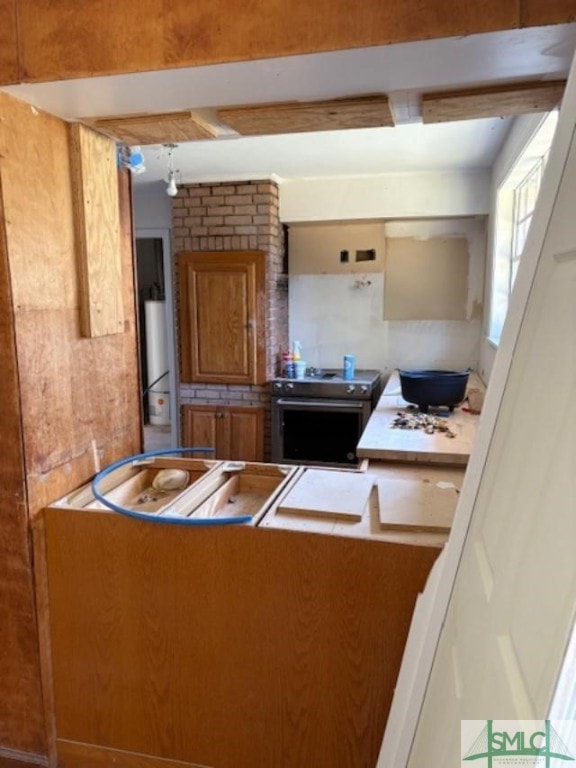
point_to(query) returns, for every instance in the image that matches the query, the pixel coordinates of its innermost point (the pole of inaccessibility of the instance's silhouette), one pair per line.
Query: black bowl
(425, 388)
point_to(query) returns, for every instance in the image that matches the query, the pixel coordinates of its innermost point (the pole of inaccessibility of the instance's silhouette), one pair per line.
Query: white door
(504, 601)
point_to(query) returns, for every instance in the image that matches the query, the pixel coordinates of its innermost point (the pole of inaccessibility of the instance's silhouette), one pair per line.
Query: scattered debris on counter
(411, 419)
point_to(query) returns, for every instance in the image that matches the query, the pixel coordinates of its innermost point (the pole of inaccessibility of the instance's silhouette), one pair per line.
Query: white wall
(152, 207)
(332, 315)
(389, 196)
(523, 129)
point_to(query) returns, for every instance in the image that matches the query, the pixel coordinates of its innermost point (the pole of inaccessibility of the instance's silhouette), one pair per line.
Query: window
(515, 203)
(525, 196)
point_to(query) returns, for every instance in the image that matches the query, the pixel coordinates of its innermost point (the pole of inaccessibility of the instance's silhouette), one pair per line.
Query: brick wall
(237, 217)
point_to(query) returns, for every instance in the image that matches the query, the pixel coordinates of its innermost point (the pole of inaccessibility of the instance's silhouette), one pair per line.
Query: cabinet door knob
(250, 325)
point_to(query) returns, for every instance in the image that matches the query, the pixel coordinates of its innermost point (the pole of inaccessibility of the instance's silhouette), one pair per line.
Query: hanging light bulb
(171, 189)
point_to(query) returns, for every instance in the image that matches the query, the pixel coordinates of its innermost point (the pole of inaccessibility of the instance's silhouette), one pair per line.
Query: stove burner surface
(329, 383)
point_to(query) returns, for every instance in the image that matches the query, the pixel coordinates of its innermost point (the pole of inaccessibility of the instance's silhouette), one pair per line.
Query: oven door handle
(322, 403)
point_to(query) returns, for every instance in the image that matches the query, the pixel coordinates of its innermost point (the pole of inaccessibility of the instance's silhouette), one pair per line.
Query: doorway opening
(156, 344)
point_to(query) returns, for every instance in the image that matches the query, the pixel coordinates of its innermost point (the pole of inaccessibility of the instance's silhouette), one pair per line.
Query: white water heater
(157, 362)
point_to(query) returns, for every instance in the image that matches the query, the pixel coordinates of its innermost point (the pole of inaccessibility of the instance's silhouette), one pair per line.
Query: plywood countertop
(405, 487)
(382, 441)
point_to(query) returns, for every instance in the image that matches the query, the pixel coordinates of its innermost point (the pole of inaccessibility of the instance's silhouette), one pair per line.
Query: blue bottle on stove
(349, 366)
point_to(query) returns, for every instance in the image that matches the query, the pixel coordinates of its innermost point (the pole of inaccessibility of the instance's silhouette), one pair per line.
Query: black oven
(320, 419)
(317, 431)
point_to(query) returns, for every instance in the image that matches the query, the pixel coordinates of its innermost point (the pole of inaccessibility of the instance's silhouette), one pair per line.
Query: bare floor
(156, 438)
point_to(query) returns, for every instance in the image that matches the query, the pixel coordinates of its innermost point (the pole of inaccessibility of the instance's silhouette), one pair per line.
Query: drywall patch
(426, 279)
(336, 248)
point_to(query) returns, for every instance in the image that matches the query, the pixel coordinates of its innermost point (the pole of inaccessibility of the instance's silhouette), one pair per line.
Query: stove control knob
(278, 385)
(350, 389)
(289, 387)
(364, 389)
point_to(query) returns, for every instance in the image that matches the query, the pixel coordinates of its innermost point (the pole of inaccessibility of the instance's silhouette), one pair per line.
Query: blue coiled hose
(160, 518)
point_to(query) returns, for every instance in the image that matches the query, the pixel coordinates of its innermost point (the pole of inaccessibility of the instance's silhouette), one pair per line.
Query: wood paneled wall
(65, 39)
(20, 691)
(9, 67)
(67, 401)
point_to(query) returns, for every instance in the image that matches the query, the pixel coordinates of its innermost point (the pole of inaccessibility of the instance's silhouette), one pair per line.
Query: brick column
(235, 217)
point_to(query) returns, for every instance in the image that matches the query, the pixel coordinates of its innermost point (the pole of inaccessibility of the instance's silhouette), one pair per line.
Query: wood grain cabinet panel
(223, 646)
(235, 432)
(221, 317)
(245, 433)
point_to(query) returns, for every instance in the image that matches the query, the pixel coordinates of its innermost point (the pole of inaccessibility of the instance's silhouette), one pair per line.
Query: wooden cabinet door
(235, 433)
(221, 317)
(200, 428)
(245, 433)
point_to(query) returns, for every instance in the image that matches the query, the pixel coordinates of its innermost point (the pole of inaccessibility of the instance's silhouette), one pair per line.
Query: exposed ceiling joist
(301, 117)
(169, 127)
(494, 101)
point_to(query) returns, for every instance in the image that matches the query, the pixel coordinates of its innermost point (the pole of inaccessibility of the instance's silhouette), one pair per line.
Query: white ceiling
(402, 71)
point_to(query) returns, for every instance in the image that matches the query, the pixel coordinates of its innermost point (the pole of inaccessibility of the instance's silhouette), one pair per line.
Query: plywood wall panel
(21, 715)
(76, 393)
(9, 72)
(539, 13)
(12, 465)
(46, 388)
(37, 198)
(54, 386)
(97, 225)
(80, 404)
(95, 405)
(66, 39)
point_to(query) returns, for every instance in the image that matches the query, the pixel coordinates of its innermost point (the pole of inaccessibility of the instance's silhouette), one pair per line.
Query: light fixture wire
(172, 188)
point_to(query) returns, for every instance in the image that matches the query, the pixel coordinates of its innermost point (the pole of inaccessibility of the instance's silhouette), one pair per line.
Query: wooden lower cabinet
(222, 647)
(235, 432)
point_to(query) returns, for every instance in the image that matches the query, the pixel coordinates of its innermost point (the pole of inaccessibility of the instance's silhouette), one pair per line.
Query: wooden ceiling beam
(68, 39)
(169, 127)
(300, 117)
(494, 101)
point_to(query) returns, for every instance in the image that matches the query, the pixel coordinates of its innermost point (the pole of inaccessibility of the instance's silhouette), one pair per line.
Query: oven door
(317, 431)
